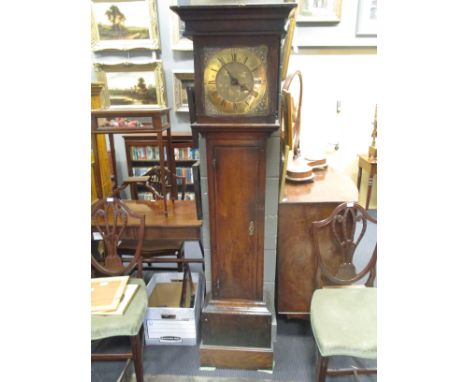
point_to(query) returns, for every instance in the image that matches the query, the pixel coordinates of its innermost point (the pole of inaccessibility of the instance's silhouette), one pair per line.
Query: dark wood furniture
(113, 121)
(237, 80)
(109, 218)
(160, 247)
(142, 153)
(157, 248)
(159, 175)
(300, 204)
(180, 223)
(346, 231)
(154, 181)
(370, 166)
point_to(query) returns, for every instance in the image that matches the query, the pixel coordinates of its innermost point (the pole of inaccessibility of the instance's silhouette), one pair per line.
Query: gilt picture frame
(319, 11)
(180, 81)
(178, 41)
(287, 44)
(124, 25)
(133, 85)
(366, 23)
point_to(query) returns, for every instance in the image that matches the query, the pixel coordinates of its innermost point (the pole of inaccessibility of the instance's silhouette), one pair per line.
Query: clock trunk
(236, 218)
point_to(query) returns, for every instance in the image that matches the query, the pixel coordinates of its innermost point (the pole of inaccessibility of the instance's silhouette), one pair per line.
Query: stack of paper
(111, 295)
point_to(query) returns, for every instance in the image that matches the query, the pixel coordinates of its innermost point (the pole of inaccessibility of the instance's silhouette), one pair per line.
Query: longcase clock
(237, 78)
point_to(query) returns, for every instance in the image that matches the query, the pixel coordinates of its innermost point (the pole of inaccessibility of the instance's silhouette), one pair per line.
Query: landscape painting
(131, 88)
(133, 85)
(124, 24)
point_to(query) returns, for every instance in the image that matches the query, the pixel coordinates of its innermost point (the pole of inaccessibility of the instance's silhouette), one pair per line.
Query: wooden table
(180, 223)
(301, 204)
(370, 165)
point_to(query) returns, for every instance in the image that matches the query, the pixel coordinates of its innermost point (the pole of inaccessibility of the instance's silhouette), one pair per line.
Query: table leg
(369, 190)
(359, 177)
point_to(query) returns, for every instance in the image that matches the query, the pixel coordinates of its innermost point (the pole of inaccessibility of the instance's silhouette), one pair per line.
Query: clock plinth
(237, 78)
(236, 334)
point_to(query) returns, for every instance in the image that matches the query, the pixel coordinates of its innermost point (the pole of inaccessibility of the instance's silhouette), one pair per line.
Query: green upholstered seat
(127, 324)
(344, 321)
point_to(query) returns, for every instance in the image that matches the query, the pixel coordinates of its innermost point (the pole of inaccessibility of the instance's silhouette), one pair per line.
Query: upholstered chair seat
(127, 324)
(344, 321)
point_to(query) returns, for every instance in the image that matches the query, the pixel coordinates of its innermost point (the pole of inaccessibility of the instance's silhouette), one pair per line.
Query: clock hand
(234, 80)
(245, 88)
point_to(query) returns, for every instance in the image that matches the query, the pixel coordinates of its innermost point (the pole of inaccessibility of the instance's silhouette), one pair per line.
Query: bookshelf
(142, 153)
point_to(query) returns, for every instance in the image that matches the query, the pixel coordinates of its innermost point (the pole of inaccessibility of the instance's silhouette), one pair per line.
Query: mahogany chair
(343, 316)
(154, 250)
(109, 220)
(157, 177)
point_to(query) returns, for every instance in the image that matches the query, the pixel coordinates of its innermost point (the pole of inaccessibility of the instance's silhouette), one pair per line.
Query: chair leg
(202, 253)
(321, 367)
(180, 255)
(137, 352)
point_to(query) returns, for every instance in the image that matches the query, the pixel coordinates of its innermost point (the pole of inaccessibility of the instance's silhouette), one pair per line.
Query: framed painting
(287, 44)
(124, 25)
(319, 11)
(179, 42)
(287, 121)
(133, 85)
(366, 23)
(180, 81)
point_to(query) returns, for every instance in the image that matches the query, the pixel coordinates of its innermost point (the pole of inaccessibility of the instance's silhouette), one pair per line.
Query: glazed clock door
(236, 190)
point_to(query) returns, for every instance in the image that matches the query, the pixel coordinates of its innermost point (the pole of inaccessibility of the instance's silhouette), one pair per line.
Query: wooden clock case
(236, 322)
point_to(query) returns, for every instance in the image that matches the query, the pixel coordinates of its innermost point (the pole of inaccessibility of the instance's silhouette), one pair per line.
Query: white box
(173, 326)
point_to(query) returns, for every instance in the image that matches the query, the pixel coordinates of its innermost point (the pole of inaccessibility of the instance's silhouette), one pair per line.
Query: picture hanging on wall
(319, 11)
(179, 42)
(287, 44)
(124, 25)
(180, 80)
(133, 85)
(366, 24)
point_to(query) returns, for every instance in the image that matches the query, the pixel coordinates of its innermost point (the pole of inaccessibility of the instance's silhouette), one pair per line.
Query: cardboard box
(166, 323)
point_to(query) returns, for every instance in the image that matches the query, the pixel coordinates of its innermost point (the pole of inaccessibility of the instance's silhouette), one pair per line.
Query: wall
(347, 76)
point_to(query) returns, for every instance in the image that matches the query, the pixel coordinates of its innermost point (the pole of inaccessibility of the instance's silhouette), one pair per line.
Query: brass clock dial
(235, 81)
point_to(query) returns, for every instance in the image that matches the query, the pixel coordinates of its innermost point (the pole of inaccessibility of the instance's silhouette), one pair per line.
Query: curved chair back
(348, 227)
(113, 220)
(158, 176)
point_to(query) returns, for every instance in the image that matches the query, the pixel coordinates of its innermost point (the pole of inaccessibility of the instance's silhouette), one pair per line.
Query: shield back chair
(154, 250)
(344, 315)
(110, 219)
(157, 177)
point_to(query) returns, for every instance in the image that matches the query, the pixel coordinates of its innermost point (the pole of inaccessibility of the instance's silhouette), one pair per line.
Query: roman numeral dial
(235, 81)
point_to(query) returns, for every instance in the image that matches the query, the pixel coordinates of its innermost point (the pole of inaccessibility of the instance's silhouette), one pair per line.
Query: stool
(370, 165)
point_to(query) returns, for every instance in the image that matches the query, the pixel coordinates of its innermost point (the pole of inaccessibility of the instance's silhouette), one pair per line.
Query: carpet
(187, 378)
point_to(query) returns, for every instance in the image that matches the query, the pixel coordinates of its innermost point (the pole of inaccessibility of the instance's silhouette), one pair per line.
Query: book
(107, 292)
(149, 153)
(129, 292)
